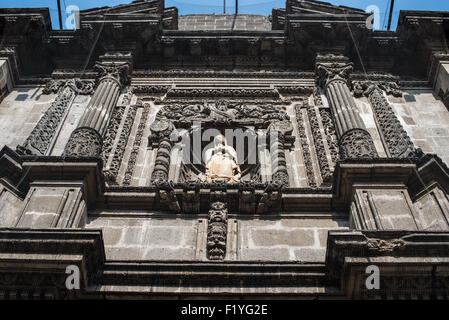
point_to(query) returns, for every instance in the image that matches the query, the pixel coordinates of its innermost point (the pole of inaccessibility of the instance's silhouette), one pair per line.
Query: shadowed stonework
(224, 156)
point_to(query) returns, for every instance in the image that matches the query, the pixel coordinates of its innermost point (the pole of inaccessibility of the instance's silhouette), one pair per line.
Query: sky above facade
(262, 7)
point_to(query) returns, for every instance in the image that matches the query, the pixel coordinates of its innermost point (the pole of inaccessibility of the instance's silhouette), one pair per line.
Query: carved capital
(357, 143)
(118, 71)
(84, 142)
(329, 72)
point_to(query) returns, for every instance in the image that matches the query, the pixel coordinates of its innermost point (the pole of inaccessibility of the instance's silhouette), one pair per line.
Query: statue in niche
(221, 163)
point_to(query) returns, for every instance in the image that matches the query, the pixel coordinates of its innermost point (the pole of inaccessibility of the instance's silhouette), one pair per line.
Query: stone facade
(350, 168)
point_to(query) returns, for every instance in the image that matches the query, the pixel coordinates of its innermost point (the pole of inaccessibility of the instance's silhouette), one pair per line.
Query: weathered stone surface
(99, 180)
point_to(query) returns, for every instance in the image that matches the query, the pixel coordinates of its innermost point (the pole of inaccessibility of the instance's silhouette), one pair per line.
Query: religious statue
(221, 162)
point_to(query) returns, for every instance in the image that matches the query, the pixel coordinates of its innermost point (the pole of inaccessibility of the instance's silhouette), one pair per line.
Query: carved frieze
(223, 111)
(151, 89)
(217, 231)
(239, 93)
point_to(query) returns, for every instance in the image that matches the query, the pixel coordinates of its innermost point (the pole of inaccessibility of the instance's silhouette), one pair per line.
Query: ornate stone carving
(112, 170)
(384, 246)
(305, 146)
(319, 144)
(221, 162)
(111, 133)
(242, 93)
(328, 72)
(117, 71)
(396, 140)
(151, 89)
(357, 143)
(136, 146)
(217, 231)
(331, 135)
(84, 142)
(271, 199)
(354, 140)
(79, 86)
(278, 161)
(42, 136)
(160, 136)
(223, 111)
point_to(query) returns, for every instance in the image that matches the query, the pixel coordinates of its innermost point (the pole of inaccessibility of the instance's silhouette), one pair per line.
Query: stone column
(160, 138)
(354, 140)
(87, 139)
(278, 132)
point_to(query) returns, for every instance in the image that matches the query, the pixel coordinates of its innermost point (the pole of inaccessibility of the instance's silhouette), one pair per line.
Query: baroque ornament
(357, 143)
(217, 231)
(394, 136)
(42, 136)
(84, 142)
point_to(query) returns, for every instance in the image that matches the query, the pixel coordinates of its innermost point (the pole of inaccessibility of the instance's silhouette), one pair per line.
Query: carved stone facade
(265, 162)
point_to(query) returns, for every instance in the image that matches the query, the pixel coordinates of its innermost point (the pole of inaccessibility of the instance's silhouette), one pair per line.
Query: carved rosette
(357, 143)
(217, 231)
(84, 142)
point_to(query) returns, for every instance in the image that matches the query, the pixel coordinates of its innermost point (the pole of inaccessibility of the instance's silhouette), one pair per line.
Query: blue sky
(245, 6)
